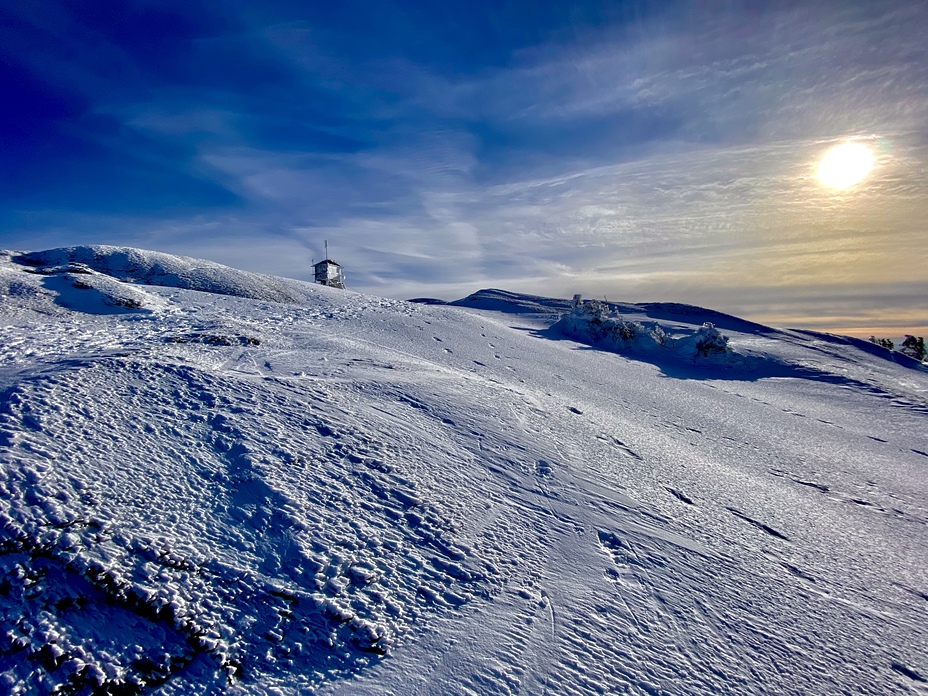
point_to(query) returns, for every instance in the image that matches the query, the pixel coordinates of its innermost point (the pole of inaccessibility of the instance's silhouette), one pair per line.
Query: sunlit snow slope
(216, 482)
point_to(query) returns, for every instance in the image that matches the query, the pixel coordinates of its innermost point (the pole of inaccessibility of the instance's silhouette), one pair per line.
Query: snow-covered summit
(208, 493)
(168, 270)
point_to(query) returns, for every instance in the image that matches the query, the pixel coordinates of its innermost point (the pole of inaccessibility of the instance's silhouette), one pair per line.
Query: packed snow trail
(209, 493)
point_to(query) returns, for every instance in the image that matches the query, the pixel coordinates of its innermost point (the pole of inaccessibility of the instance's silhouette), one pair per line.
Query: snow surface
(217, 482)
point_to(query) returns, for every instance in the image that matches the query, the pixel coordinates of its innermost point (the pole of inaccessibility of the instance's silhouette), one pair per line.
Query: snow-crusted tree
(914, 347)
(885, 342)
(596, 310)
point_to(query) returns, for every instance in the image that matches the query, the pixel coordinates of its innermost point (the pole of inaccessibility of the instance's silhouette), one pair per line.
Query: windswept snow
(284, 488)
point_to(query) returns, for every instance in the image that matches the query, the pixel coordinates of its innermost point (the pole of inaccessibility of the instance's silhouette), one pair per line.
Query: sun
(845, 165)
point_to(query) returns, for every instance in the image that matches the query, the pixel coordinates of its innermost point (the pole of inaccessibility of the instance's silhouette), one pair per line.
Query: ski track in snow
(355, 495)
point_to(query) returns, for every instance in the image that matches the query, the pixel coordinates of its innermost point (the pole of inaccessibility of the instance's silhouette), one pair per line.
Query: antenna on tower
(327, 248)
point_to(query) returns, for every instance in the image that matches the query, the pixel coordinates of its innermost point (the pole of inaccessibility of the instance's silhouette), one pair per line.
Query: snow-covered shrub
(614, 329)
(627, 331)
(661, 337)
(914, 347)
(591, 322)
(711, 341)
(594, 309)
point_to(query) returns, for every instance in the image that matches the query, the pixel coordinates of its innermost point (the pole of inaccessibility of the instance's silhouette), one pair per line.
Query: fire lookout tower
(328, 272)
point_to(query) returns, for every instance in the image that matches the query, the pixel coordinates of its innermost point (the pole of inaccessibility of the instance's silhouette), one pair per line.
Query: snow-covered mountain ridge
(218, 482)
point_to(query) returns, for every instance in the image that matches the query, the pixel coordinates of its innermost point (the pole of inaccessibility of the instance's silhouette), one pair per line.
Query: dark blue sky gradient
(547, 146)
(60, 151)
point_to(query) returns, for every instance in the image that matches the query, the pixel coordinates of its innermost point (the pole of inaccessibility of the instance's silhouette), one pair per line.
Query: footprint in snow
(908, 672)
(543, 469)
(682, 497)
(760, 525)
(812, 484)
(625, 449)
(798, 572)
(624, 561)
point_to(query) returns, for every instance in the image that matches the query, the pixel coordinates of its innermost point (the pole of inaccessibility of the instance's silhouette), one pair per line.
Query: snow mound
(511, 302)
(679, 312)
(157, 268)
(80, 288)
(19, 290)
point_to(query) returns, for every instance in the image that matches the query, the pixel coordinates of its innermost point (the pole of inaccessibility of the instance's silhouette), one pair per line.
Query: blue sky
(641, 151)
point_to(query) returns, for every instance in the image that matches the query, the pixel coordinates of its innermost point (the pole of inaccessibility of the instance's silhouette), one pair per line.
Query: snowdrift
(345, 494)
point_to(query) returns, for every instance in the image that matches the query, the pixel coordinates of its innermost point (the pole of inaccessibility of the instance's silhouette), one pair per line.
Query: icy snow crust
(315, 491)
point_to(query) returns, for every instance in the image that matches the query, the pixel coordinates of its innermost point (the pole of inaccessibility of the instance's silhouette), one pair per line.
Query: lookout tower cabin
(329, 273)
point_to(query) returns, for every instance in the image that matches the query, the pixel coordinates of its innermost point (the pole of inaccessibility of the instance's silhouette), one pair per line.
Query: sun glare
(845, 165)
